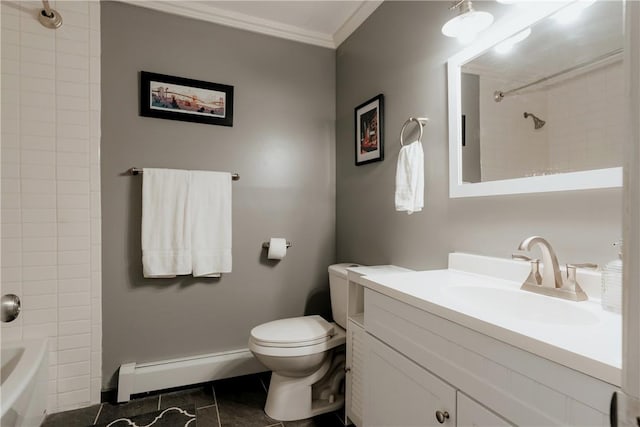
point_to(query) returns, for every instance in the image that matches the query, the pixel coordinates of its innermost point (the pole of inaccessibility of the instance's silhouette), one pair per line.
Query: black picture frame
(369, 131)
(189, 100)
(464, 130)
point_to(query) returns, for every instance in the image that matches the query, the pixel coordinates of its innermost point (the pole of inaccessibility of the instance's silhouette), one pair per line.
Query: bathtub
(23, 390)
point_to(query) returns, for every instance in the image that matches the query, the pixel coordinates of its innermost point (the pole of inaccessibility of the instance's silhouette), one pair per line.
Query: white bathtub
(23, 391)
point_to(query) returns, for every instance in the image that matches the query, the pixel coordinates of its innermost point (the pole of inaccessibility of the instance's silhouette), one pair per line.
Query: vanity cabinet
(418, 363)
(401, 393)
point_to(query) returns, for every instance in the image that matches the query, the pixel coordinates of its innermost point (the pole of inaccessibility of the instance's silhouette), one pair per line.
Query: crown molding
(355, 20)
(205, 11)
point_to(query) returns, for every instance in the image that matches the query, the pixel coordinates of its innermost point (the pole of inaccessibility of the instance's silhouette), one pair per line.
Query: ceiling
(323, 23)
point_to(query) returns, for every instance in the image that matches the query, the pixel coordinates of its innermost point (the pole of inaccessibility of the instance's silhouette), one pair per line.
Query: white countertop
(588, 339)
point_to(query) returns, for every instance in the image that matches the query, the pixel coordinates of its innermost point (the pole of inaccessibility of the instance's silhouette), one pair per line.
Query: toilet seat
(290, 348)
(293, 332)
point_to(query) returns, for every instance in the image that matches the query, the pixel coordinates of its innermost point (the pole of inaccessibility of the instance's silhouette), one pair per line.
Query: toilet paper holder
(266, 245)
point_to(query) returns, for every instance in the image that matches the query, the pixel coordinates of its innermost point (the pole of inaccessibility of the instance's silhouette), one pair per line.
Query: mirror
(538, 104)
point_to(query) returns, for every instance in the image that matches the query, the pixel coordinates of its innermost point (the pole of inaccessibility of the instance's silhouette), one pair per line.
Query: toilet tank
(339, 289)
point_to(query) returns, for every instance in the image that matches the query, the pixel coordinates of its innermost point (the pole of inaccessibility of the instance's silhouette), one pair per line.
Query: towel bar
(138, 171)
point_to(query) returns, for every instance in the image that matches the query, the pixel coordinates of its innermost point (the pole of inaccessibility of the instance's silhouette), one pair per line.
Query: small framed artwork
(369, 118)
(178, 98)
(464, 130)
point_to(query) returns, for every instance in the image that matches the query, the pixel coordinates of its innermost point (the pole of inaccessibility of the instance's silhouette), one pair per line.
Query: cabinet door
(355, 372)
(473, 414)
(400, 393)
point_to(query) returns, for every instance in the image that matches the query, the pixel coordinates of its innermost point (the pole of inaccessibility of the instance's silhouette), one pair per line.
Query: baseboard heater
(136, 378)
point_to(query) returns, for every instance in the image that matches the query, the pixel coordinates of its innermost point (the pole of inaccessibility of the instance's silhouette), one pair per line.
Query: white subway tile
(10, 185)
(71, 103)
(10, 171)
(11, 334)
(40, 229)
(75, 75)
(80, 20)
(96, 257)
(96, 364)
(94, 43)
(76, 47)
(10, 216)
(11, 231)
(74, 328)
(12, 66)
(10, 274)
(94, 96)
(75, 285)
(73, 215)
(73, 173)
(36, 317)
(29, 55)
(69, 60)
(43, 115)
(10, 200)
(73, 117)
(94, 70)
(96, 337)
(74, 229)
(38, 157)
(39, 215)
(74, 299)
(74, 383)
(74, 257)
(96, 316)
(48, 330)
(73, 399)
(73, 131)
(11, 259)
(40, 273)
(81, 7)
(76, 89)
(95, 179)
(39, 302)
(72, 145)
(96, 283)
(96, 231)
(38, 70)
(39, 244)
(40, 287)
(95, 205)
(37, 201)
(75, 271)
(38, 186)
(74, 341)
(10, 53)
(10, 37)
(74, 201)
(40, 85)
(39, 259)
(73, 355)
(32, 142)
(10, 140)
(70, 32)
(38, 172)
(73, 187)
(73, 243)
(74, 313)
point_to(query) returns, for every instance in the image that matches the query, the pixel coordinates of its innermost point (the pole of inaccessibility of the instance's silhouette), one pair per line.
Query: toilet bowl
(306, 355)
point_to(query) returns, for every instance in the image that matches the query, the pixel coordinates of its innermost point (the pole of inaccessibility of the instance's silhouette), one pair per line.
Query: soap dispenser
(612, 283)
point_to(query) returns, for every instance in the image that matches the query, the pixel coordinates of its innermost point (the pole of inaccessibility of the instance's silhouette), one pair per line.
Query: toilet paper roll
(277, 248)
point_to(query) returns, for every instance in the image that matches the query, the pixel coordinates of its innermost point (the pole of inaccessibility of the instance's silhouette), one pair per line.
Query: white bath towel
(210, 194)
(410, 178)
(166, 223)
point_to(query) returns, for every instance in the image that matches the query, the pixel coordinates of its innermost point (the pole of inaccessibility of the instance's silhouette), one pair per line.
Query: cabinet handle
(442, 416)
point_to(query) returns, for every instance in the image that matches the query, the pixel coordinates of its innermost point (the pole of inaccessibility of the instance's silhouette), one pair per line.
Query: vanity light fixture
(468, 22)
(506, 45)
(572, 12)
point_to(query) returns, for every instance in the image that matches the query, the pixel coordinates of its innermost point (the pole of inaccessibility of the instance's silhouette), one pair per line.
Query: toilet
(307, 356)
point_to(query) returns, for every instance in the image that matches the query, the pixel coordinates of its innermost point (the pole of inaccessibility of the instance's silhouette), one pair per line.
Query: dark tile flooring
(234, 402)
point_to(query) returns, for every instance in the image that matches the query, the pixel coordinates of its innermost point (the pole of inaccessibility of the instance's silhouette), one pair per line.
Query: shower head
(537, 123)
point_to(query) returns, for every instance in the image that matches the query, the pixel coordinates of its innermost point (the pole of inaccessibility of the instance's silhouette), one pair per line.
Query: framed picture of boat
(369, 118)
(178, 98)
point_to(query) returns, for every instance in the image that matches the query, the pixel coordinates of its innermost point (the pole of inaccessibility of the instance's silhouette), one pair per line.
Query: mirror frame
(510, 24)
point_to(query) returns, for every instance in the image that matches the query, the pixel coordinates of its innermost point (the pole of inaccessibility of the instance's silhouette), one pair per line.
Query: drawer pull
(442, 416)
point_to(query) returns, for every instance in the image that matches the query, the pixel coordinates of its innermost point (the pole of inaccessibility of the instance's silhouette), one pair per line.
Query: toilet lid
(306, 330)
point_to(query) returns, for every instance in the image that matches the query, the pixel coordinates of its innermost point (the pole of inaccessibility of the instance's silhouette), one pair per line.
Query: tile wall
(584, 125)
(50, 169)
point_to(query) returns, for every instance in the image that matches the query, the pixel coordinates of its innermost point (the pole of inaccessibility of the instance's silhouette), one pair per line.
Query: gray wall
(282, 145)
(400, 52)
(470, 89)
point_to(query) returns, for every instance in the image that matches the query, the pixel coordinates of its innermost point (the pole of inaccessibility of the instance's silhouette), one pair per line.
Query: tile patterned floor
(234, 402)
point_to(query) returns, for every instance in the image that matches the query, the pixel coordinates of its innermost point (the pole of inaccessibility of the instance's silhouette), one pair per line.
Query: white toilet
(306, 355)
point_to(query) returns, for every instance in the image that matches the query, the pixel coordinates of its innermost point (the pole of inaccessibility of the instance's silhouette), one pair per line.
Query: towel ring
(419, 120)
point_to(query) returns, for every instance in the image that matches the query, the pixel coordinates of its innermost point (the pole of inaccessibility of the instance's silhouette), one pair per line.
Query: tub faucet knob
(9, 307)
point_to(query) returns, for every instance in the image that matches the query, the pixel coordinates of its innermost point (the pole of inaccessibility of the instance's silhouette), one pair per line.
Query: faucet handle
(522, 257)
(583, 265)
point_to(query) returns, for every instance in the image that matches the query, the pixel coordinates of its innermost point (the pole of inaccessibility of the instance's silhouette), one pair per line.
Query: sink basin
(521, 305)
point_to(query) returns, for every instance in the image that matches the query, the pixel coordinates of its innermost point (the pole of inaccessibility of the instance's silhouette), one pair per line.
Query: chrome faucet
(550, 282)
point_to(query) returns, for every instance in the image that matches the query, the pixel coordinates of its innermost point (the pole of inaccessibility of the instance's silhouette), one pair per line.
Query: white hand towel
(210, 194)
(410, 178)
(166, 223)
